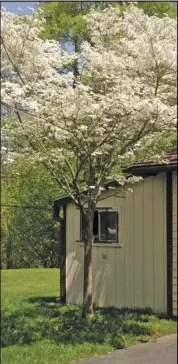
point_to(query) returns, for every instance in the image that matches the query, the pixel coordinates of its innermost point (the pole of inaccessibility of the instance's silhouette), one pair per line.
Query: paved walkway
(161, 351)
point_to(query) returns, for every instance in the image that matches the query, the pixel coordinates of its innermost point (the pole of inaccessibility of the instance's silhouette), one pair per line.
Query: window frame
(105, 241)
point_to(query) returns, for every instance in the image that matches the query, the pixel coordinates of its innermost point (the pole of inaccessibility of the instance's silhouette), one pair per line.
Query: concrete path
(161, 351)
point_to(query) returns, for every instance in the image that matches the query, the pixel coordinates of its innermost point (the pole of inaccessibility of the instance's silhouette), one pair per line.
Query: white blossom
(124, 95)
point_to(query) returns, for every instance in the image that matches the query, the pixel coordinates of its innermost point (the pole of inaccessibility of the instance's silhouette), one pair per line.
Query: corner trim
(169, 243)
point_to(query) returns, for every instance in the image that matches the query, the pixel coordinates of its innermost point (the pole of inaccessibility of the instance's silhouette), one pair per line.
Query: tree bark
(9, 263)
(75, 64)
(88, 240)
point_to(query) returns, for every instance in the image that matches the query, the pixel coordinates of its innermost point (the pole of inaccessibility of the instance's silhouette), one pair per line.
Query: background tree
(29, 233)
(159, 8)
(123, 101)
(65, 23)
(65, 20)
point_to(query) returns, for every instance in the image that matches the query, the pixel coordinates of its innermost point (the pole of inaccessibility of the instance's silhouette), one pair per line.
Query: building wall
(174, 194)
(133, 272)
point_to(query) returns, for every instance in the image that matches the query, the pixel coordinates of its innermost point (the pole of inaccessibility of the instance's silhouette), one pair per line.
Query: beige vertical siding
(174, 194)
(138, 219)
(159, 235)
(129, 282)
(133, 272)
(74, 258)
(69, 252)
(148, 243)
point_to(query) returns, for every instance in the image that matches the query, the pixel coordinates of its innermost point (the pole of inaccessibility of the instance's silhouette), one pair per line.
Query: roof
(149, 165)
(171, 157)
(61, 201)
(144, 168)
(65, 199)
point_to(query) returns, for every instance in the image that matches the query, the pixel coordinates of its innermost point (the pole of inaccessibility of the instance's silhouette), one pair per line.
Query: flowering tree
(123, 101)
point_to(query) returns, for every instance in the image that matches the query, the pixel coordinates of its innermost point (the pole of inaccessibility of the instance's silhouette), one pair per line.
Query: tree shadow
(45, 318)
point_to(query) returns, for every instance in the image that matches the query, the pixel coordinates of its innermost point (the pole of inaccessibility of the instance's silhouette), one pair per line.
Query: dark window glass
(105, 226)
(95, 225)
(108, 225)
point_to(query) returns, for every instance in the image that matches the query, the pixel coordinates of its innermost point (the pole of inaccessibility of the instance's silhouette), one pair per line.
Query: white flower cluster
(125, 90)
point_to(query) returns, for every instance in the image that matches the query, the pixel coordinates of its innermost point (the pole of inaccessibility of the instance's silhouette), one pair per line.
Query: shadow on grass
(43, 318)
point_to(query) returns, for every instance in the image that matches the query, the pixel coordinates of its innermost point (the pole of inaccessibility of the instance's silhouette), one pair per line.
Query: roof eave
(62, 201)
(151, 168)
(140, 170)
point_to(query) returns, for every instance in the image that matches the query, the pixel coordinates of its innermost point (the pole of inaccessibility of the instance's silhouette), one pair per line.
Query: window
(105, 226)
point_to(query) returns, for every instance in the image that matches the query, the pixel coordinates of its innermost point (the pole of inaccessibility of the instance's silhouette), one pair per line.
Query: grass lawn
(38, 330)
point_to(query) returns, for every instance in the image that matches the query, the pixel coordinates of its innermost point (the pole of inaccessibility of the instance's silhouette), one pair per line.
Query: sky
(13, 6)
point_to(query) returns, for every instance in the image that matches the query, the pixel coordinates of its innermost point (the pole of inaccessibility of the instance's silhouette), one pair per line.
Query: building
(135, 247)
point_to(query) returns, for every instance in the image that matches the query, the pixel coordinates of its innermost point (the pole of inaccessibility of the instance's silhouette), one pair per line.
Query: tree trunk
(75, 64)
(9, 263)
(88, 240)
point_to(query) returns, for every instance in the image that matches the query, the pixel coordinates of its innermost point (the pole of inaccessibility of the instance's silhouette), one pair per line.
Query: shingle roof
(150, 165)
(171, 157)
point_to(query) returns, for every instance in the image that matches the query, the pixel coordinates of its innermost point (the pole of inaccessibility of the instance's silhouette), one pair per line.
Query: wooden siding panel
(101, 298)
(174, 259)
(111, 277)
(174, 235)
(148, 239)
(175, 298)
(95, 273)
(138, 244)
(120, 277)
(107, 200)
(175, 289)
(129, 251)
(77, 260)
(69, 252)
(175, 249)
(159, 238)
